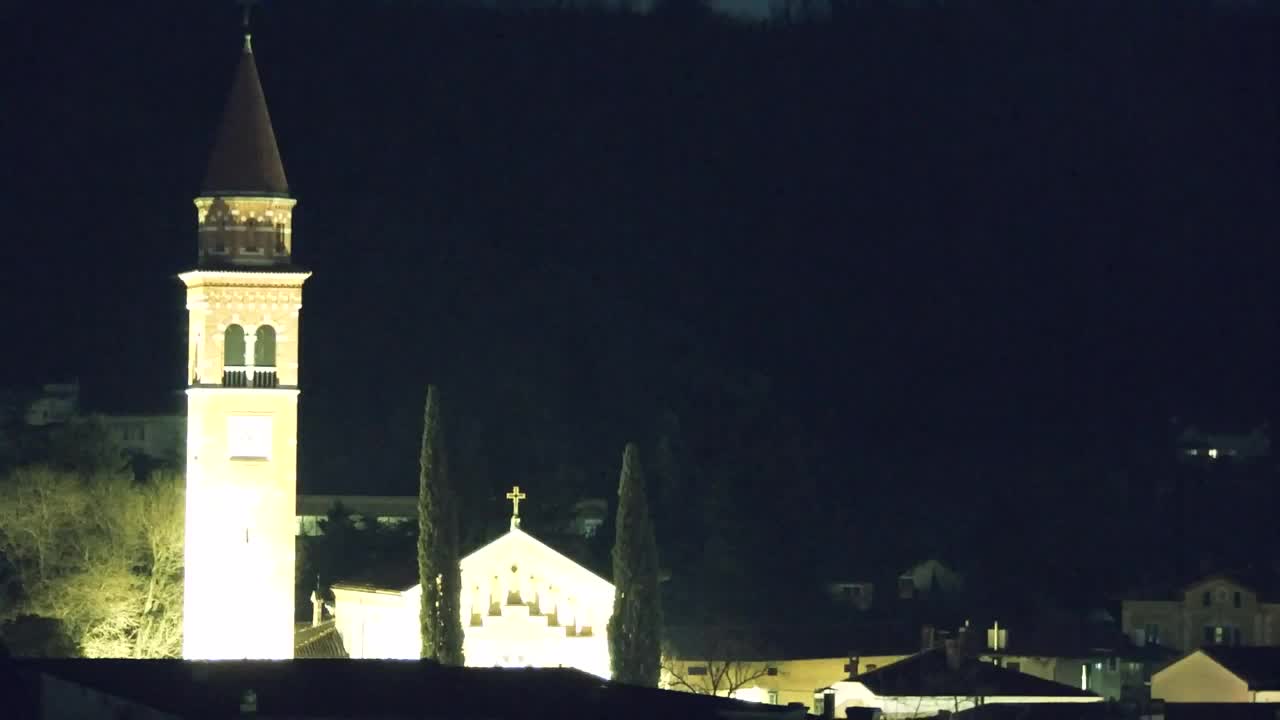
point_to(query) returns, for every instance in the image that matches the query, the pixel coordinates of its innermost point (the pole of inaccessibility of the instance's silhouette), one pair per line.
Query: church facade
(243, 302)
(523, 605)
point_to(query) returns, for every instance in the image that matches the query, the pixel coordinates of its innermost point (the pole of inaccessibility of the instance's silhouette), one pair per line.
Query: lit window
(1213, 453)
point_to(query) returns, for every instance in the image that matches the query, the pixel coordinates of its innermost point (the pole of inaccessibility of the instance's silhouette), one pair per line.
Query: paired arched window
(264, 346)
(233, 346)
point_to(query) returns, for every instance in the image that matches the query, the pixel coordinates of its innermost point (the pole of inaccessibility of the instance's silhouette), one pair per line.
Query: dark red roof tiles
(245, 158)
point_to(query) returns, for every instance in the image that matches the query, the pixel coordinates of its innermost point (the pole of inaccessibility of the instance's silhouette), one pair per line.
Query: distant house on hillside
(1220, 609)
(55, 403)
(1223, 444)
(868, 589)
(362, 510)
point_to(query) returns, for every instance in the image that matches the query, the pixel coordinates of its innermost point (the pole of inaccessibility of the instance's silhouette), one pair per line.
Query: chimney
(317, 609)
(952, 647)
(965, 640)
(851, 667)
(928, 637)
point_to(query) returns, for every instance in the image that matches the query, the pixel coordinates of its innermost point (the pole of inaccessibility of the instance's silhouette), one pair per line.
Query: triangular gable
(516, 543)
(521, 544)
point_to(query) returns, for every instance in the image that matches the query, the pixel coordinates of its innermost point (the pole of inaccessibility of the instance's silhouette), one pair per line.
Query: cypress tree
(438, 569)
(635, 630)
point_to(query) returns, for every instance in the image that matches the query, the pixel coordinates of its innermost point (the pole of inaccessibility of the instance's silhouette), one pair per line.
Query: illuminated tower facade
(243, 301)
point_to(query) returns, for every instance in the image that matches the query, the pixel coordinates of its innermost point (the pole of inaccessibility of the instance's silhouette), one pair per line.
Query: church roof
(245, 159)
(516, 535)
(401, 574)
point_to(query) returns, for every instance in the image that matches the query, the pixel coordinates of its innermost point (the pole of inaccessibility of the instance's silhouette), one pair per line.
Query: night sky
(873, 271)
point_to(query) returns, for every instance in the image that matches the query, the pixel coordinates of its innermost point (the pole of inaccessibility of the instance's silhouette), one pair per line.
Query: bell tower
(243, 301)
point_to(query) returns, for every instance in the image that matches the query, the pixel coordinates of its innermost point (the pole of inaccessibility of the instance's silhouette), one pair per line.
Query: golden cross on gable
(515, 496)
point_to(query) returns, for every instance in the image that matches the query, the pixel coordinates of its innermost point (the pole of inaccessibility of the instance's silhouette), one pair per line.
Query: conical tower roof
(245, 158)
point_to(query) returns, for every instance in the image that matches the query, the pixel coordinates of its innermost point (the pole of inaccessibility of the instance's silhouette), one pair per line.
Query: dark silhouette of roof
(1120, 711)
(1259, 667)
(930, 674)
(211, 264)
(321, 642)
(245, 159)
(1047, 711)
(374, 688)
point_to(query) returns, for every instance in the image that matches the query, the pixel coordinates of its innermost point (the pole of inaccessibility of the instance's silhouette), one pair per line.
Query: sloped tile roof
(321, 642)
(245, 159)
(929, 674)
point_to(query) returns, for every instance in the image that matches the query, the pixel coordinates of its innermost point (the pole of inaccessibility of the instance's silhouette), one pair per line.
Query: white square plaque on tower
(249, 436)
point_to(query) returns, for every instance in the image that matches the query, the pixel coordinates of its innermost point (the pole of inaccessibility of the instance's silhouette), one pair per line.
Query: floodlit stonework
(523, 605)
(243, 303)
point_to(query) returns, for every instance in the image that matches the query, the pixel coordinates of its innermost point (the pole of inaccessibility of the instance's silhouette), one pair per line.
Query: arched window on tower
(264, 347)
(233, 360)
(233, 346)
(264, 357)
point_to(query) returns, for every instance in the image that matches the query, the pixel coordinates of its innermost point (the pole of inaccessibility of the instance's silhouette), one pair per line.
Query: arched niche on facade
(233, 346)
(264, 346)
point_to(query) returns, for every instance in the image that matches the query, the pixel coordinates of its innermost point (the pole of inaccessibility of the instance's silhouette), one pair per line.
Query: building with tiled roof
(945, 679)
(245, 159)
(1217, 674)
(318, 642)
(779, 663)
(1226, 608)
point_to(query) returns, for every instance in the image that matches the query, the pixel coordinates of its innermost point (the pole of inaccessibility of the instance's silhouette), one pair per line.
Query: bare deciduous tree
(101, 554)
(716, 660)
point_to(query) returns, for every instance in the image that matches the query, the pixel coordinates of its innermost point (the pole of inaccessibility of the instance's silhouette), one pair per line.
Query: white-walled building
(523, 605)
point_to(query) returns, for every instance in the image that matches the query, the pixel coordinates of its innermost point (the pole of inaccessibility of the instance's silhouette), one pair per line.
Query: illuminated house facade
(523, 605)
(243, 301)
(1215, 610)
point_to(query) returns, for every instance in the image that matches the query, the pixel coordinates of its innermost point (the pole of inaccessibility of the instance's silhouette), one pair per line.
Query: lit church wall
(522, 604)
